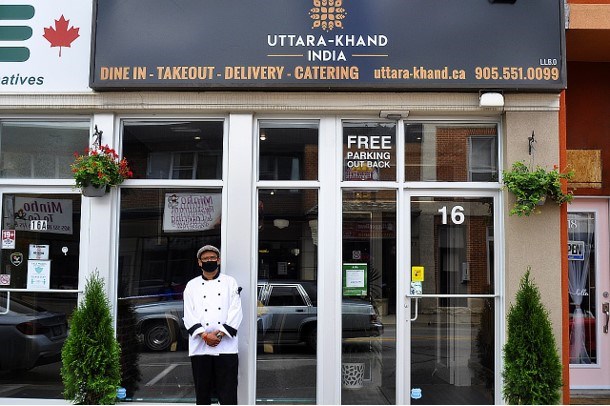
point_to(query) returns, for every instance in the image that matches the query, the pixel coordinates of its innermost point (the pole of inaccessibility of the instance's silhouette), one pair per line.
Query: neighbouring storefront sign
(45, 45)
(576, 250)
(191, 211)
(329, 44)
(55, 214)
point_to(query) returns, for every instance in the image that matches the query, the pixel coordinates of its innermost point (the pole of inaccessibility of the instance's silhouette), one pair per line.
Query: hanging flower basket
(98, 169)
(532, 187)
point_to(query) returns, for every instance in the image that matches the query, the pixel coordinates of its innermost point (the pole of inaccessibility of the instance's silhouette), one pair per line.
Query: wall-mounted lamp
(531, 141)
(97, 137)
(281, 223)
(262, 136)
(393, 114)
(491, 99)
(295, 252)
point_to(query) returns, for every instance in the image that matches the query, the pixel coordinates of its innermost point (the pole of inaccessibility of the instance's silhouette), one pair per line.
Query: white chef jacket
(211, 305)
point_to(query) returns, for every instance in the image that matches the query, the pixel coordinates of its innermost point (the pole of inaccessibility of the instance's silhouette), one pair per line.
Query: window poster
(56, 214)
(355, 279)
(184, 212)
(39, 275)
(8, 239)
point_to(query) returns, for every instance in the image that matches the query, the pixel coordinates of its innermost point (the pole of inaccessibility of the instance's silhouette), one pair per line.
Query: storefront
(587, 106)
(366, 224)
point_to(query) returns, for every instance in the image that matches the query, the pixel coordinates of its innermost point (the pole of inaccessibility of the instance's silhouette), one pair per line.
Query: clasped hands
(212, 339)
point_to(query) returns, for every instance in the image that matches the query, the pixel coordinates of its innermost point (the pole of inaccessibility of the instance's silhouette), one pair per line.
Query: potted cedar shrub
(91, 365)
(532, 187)
(532, 367)
(98, 169)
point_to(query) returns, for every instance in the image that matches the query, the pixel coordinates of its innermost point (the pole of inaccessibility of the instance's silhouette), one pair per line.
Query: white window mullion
(239, 237)
(329, 283)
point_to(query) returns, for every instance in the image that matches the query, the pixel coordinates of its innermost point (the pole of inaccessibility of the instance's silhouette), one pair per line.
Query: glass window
(33, 329)
(450, 240)
(482, 158)
(368, 321)
(174, 150)
(286, 311)
(45, 149)
(160, 233)
(53, 246)
(582, 288)
(285, 296)
(451, 152)
(288, 150)
(369, 151)
(34, 325)
(453, 351)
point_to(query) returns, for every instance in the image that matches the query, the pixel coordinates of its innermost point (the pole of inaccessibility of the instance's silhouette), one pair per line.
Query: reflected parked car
(159, 324)
(29, 336)
(287, 314)
(291, 308)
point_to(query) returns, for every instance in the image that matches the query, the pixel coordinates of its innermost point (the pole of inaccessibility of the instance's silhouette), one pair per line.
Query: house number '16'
(457, 214)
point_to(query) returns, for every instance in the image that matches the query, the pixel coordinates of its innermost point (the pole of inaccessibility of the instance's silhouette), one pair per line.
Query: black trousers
(215, 374)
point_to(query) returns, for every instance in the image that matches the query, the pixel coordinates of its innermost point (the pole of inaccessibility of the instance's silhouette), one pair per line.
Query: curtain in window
(578, 273)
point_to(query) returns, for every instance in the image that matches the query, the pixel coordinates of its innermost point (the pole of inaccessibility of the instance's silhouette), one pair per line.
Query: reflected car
(159, 324)
(291, 312)
(30, 336)
(287, 314)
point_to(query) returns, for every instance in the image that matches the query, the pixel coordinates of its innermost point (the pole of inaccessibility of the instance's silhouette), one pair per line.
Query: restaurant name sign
(329, 44)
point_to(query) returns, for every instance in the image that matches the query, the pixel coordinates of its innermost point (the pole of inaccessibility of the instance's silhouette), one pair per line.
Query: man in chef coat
(212, 315)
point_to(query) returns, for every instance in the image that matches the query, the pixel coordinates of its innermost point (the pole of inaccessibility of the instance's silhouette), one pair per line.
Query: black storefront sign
(329, 44)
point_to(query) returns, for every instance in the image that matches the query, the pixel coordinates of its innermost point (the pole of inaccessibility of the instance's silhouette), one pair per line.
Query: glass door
(451, 300)
(589, 287)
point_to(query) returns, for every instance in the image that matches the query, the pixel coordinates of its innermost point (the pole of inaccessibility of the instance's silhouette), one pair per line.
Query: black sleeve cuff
(195, 327)
(230, 330)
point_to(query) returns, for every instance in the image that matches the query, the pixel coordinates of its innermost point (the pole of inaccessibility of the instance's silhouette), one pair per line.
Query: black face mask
(209, 266)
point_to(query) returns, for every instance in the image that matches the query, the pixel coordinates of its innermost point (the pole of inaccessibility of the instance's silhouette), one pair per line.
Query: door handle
(409, 300)
(606, 310)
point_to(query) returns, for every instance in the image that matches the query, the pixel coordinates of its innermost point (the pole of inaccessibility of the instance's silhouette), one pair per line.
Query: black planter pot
(93, 191)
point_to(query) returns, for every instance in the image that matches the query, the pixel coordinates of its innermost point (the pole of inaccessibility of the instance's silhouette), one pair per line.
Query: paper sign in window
(417, 273)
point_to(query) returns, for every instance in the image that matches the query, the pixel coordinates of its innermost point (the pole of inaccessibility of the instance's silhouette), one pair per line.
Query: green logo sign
(15, 33)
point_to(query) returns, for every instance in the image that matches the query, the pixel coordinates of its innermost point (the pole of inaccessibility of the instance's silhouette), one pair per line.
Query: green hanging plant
(91, 366)
(532, 187)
